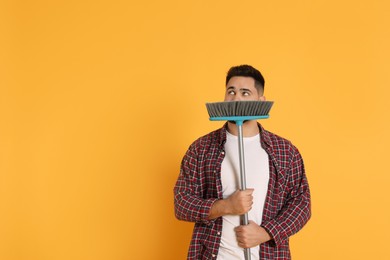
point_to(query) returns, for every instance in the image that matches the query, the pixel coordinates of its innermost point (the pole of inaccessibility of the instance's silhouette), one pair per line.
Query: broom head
(244, 110)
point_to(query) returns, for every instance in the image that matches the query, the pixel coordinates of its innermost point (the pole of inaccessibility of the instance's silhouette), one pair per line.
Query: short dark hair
(247, 71)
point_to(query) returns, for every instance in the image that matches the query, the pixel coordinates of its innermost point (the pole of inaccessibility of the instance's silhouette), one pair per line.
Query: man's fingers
(248, 191)
(241, 239)
(241, 201)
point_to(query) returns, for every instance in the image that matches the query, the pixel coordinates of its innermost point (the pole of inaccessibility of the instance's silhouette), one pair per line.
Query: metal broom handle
(244, 218)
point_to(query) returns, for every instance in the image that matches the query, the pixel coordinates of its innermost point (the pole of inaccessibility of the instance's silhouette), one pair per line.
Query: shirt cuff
(276, 231)
(205, 211)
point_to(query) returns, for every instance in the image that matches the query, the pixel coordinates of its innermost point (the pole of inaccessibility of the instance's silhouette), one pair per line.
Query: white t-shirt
(257, 177)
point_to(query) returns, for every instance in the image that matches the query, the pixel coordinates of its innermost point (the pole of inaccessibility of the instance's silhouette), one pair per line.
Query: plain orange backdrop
(99, 100)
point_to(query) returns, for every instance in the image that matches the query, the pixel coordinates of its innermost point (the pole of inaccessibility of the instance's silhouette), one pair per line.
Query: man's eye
(231, 92)
(245, 93)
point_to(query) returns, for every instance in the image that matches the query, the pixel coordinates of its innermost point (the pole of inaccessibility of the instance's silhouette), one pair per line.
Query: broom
(239, 112)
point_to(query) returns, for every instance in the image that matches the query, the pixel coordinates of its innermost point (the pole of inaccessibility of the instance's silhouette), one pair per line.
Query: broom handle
(244, 218)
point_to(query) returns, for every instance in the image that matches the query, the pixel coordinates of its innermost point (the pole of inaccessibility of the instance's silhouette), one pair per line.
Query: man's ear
(262, 98)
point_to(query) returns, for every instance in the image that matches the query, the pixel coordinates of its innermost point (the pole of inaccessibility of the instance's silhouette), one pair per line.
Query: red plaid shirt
(287, 205)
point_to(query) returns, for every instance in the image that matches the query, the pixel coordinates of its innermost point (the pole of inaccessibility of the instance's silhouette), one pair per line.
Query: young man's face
(242, 88)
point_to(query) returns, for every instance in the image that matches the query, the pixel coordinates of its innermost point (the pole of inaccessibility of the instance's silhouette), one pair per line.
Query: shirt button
(219, 233)
(223, 152)
(213, 255)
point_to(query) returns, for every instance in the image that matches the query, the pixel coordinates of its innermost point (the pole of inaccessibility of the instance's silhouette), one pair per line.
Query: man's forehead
(244, 82)
(241, 79)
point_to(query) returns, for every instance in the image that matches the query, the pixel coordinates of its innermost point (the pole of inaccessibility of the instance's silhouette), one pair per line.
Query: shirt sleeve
(297, 208)
(188, 194)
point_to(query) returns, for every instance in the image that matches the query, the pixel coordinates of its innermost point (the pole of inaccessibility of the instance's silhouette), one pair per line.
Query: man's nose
(237, 98)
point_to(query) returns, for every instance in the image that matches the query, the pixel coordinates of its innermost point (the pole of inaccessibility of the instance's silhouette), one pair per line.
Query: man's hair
(247, 71)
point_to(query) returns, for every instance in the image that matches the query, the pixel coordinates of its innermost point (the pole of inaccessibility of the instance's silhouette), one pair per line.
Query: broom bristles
(239, 108)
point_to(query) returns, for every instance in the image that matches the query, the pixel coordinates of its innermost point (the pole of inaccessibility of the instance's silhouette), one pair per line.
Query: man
(207, 190)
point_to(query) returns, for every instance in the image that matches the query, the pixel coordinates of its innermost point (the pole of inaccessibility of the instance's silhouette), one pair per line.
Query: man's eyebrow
(241, 89)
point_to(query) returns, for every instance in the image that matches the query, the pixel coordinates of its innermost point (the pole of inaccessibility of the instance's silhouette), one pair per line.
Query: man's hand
(240, 202)
(251, 235)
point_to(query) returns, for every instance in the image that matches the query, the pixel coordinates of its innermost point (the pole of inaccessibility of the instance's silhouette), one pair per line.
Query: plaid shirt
(287, 205)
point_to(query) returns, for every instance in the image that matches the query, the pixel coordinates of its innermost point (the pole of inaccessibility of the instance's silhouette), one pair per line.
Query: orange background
(99, 101)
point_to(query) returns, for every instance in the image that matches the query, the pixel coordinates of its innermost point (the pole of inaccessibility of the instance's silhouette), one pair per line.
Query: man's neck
(249, 128)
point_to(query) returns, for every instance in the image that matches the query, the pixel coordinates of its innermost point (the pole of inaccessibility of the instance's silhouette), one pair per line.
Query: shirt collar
(264, 135)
